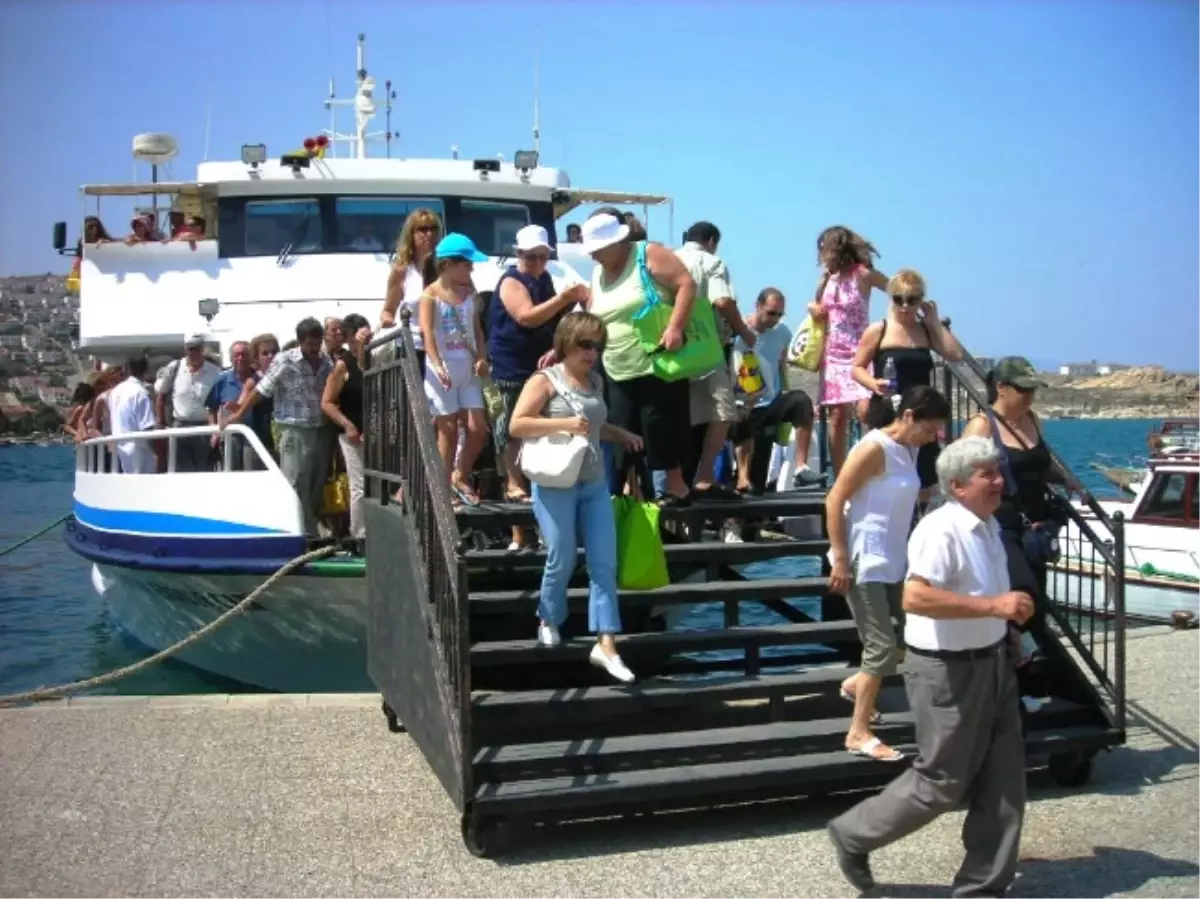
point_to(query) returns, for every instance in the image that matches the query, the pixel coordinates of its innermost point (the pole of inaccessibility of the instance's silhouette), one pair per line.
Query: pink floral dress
(847, 307)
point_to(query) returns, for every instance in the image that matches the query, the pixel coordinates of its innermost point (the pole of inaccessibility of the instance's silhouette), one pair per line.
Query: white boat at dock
(1162, 549)
(173, 550)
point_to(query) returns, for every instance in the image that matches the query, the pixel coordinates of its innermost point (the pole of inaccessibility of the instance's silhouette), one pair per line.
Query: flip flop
(671, 501)
(465, 494)
(867, 751)
(876, 718)
(517, 497)
(716, 493)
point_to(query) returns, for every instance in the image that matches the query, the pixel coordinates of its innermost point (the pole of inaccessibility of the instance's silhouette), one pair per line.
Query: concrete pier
(311, 796)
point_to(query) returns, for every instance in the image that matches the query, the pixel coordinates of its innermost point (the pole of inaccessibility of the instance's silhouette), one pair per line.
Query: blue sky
(1036, 161)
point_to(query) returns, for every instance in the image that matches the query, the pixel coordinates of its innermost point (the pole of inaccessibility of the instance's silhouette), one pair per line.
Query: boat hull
(306, 635)
(1149, 599)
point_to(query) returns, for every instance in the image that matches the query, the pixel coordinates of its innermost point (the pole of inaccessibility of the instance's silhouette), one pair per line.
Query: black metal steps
(769, 505)
(805, 772)
(632, 646)
(525, 601)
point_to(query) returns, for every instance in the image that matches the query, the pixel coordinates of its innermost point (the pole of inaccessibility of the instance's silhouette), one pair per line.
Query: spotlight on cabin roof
(254, 155)
(525, 159)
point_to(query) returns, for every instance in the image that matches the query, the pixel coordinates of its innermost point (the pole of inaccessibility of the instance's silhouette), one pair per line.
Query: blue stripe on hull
(155, 523)
(207, 555)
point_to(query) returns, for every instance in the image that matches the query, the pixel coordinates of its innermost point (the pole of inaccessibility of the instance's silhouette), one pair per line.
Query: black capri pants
(657, 411)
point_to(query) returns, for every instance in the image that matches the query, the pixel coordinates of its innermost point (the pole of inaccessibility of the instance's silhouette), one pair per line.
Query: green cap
(1017, 371)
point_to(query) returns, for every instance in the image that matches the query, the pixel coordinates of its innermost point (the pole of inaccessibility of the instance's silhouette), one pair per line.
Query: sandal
(517, 496)
(671, 501)
(875, 719)
(877, 750)
(465, 494)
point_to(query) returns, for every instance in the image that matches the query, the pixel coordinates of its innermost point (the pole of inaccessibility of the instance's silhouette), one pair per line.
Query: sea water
(54, 629)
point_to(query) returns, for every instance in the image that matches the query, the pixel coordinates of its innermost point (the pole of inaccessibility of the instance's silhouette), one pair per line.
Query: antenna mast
(537, 130)
(363, 103)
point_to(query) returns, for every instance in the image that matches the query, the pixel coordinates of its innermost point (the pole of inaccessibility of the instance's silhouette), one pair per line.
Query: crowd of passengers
(537, 359)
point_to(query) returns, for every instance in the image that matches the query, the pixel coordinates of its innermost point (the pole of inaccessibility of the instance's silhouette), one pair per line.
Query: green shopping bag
(641, 559)
(701, 351)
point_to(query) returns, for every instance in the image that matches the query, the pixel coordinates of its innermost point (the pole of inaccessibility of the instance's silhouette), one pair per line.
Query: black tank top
(350, 400)
(914, 365)
(1030, 467)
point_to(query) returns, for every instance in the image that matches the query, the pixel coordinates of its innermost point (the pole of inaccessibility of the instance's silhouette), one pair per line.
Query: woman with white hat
(639, 401)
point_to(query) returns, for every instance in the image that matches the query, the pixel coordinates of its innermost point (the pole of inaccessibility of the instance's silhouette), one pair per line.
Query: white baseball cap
(532, 237)
(602, 231)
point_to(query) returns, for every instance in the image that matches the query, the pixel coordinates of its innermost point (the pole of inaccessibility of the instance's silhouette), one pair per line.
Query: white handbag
(555, 459)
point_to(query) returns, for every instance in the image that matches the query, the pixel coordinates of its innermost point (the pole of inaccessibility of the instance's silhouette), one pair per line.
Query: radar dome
(154, 148)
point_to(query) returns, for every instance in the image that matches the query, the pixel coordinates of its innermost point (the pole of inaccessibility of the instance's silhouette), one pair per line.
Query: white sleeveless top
(879, 516)
(454, 328)
(414, 286)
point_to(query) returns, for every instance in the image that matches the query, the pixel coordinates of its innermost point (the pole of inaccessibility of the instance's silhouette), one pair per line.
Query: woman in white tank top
(411, 271)
(870, 512)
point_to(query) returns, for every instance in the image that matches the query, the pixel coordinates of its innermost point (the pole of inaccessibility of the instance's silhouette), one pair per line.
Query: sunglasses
(915, 299)
(1024, 391)
(772, 313)
(596, 345)
(536, 257)
(426, 229)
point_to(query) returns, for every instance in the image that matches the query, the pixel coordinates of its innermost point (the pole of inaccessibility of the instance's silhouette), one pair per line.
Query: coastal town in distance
(40, 366)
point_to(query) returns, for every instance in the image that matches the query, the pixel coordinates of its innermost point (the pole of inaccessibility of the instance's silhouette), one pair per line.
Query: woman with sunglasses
(1012, 389)
(413, 269)
(907, 337)
(568, 398)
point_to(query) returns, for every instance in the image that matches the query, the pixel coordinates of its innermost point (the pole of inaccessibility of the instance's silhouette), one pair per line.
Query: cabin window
(373, 224)
(276, 226)
(492, 226)
(1168, 498)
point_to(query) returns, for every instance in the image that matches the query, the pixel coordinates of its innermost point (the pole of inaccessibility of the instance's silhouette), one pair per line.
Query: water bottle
(889, 375)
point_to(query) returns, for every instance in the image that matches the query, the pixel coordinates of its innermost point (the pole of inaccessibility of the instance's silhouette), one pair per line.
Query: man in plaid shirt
(296, 381)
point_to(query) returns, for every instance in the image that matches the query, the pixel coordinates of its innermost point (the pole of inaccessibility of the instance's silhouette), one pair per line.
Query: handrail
(90, 447)
(972, 364)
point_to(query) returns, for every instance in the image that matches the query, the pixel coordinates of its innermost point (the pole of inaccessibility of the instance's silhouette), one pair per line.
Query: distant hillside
(1147, 392)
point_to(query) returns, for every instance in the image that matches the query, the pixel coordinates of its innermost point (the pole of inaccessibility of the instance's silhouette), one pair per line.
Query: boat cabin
(300, 235)
(1170, 494)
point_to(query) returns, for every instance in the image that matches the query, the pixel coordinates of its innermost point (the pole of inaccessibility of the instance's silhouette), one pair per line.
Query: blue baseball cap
(459, 246)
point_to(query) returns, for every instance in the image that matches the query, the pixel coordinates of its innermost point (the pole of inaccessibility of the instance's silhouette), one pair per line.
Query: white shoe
(612, 664)
(733, 533)
(548, 635)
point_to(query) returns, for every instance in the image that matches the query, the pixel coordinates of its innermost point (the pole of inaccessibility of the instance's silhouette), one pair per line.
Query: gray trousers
(304, 461)
(970, 751)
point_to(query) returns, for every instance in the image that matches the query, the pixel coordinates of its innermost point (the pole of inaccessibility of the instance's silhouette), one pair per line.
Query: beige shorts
(711, 399)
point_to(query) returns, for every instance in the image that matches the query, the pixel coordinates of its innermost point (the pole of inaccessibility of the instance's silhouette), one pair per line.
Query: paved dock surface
(311, 796)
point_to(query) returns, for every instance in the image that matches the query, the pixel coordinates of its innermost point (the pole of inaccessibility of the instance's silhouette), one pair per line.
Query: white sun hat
(602, 231)
(532, 237)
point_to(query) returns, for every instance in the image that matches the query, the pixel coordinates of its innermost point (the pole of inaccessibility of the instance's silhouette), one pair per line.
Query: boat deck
(310, 795)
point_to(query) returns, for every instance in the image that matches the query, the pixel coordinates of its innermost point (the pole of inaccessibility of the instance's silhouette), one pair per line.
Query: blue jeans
(569, 516)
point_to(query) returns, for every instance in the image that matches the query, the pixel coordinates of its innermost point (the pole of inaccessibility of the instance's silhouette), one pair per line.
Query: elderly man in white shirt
(961, 686)
(131, 411)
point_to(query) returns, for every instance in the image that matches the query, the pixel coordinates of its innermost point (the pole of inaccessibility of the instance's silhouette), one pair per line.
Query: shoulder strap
(882, 331)
(649, 286)
(1009, 481)
(561, 389)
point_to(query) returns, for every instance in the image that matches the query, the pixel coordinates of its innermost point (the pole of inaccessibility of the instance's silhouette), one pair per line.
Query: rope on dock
(46, 530)
(42, 694)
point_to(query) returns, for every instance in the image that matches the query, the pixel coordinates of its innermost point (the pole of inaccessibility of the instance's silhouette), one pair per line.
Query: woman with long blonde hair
(412, 271)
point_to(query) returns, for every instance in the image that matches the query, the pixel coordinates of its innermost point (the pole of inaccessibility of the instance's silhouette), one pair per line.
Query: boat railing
(403, 469)
(238, 441)
(1087, 589)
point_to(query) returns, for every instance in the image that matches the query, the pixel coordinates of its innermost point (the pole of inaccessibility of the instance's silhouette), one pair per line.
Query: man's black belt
(957, 655)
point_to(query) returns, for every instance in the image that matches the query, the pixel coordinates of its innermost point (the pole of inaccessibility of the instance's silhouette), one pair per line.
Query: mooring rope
(45, 693)
(46, 530)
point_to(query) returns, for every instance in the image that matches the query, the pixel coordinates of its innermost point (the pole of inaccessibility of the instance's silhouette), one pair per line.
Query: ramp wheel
(1071, 769)
(481, 836)
(393, 722)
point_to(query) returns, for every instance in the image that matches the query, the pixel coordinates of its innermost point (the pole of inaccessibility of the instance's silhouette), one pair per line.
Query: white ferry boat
(284, 239)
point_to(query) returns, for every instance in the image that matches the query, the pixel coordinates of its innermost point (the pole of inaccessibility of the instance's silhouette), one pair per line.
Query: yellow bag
(808, 346)
(335, 498)
(749, 374)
